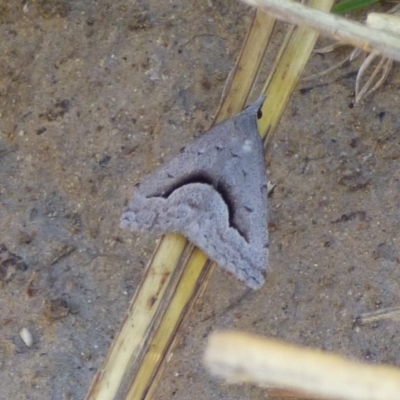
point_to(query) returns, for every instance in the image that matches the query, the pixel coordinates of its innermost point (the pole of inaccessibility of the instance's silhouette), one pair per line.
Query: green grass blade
(351, 5)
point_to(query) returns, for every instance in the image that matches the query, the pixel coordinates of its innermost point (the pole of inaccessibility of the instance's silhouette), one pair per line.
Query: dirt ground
(93, 96)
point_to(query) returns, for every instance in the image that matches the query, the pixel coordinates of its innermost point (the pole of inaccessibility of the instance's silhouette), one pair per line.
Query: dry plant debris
(390, 23)
(240, 357)
(379, 36)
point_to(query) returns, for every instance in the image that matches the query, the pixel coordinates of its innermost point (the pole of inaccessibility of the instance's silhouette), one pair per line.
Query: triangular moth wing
(214, 193)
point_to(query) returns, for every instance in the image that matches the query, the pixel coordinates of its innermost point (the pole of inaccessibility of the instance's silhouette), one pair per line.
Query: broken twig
(240, 357)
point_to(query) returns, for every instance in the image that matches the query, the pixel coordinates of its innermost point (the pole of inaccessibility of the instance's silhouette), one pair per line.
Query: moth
(215, 193)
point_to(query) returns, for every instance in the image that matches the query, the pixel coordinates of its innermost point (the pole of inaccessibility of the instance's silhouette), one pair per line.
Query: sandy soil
(93, 96)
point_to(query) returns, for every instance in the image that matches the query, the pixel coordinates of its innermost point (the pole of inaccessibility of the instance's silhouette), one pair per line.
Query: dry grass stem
(345, 31)
(392, 313)
(388, 22)
(290, 394)
(243, 75)
(240, 357)
(139, 320)
(384, 66)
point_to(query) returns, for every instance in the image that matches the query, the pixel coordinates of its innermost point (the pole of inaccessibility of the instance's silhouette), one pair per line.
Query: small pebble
(56, 309)
(26, 337)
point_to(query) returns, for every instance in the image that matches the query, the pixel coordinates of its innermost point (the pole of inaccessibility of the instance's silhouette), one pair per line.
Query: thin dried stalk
(290, 394)
(244, 73)
(390, 23)
(141, 316)
(179, 272)
(336, 27)
(384, 66)
(392, 313)
(240, 357)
